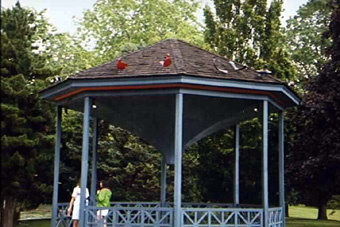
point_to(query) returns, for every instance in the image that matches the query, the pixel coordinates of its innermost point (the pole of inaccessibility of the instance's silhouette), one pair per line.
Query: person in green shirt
(103, 199)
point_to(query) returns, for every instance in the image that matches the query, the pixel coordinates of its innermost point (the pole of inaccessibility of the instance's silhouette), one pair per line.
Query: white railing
(62, 219)
(275, 217)
(222, 217)
(129, 216)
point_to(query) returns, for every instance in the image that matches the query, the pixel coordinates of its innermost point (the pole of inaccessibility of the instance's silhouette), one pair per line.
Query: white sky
(61, 12)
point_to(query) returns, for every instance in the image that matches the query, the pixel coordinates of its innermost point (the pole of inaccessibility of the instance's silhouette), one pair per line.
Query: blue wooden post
(56, 167)
(265, 201)
(84, 159)
(163, 182)
(94, 162)
(178, 160)
(237, 167)
(281, 167)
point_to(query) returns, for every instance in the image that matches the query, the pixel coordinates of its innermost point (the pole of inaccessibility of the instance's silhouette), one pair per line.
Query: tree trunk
(8, 211)
(322, 213)
(287, 210)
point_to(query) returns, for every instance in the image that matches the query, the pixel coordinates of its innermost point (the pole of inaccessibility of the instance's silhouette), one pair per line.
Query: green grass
(40, 223)
(304, 212)
(301, 222)
(302, 216)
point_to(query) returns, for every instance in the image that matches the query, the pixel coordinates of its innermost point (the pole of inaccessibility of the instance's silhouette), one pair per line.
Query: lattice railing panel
(275, 217)
(221, 217)
(130, 216)
(62, 219)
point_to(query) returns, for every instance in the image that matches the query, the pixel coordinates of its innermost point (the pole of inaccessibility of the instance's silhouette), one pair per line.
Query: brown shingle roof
(186, 60)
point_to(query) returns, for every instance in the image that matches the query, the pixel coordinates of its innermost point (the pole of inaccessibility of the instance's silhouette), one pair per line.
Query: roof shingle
(186, 60)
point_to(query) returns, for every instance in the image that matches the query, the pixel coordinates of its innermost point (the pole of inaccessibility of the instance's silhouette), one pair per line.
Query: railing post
(237, 167)
(94, 162)
(56, 167)
(163, 182)
(281, 167)
(265, 201)
(178, 159)
(84, 160)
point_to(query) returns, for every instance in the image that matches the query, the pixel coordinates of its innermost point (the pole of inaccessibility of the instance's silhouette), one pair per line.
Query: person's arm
(100, 195)
(70, 206)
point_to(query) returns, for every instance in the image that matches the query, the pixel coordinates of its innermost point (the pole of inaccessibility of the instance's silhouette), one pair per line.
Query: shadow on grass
(302, 222)
(35, 223)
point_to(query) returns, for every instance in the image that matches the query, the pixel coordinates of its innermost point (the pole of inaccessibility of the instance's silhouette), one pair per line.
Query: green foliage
(249, 33)
(305, 39)
(26, 141)
(315, 156)
(117, 26)
(131, 166)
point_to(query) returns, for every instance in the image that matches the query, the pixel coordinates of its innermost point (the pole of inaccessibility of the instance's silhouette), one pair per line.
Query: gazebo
(171, 106)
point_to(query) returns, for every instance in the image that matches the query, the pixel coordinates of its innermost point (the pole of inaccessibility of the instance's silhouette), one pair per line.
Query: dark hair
(105, 183)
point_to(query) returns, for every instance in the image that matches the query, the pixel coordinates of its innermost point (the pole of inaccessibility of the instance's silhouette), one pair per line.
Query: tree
(315, 151)
(304, 37)
(26, 138)
(249, 33)
(117, 26)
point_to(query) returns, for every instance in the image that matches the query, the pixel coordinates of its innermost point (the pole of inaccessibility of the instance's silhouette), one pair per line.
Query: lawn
(302, 211)
(301, 222)
(38, 223)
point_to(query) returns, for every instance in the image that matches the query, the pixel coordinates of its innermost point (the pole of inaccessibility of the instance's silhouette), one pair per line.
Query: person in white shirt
(75, 202)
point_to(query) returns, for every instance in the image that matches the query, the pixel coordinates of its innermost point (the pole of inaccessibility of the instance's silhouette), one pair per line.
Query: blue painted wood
(237, 167)
(247, 113)
(56, 167)
(265, 199)
(63, 87)
(84, 160)
(281, 166)
(276, 218)
(163, 181)
(94, 162)
(192, 215)
(82, 95)
(178, 160)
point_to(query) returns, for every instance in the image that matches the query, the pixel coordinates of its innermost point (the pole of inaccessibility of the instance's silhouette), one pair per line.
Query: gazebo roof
(186, 60)
(141, 98)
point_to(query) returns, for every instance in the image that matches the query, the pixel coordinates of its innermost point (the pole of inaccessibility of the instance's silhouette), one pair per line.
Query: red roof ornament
(121, 65)
(167, 61)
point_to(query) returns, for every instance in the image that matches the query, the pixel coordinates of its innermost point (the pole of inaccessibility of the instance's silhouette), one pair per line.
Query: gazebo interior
(172, 103)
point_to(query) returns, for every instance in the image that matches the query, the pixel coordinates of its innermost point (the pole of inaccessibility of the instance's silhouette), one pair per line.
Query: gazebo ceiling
(217, 93)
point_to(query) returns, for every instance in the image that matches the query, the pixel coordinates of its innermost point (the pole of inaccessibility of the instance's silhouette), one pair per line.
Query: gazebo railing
(192, 214)
(221, 217)
(62, 219)
(136, 204)
(129, 216)
(275, 217)
(202, 205)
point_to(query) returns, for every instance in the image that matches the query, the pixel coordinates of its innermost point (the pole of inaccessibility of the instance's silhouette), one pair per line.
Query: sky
(61, 12)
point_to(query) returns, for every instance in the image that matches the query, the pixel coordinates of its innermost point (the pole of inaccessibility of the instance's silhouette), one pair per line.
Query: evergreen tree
(315, 151)
(26, 138)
